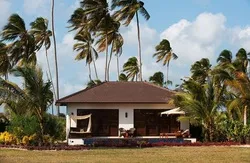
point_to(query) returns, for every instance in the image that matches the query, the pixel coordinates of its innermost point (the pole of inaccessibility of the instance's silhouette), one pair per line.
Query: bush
(7, 138)
(21, 126)
(55, 127)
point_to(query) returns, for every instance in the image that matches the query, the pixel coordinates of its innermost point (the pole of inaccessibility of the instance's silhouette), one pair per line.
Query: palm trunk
(96, 75)
(54, 40)
(118, 70)
(110, 57)
(50, 76)
(6, 76)
(167, 76)
(89, 72)
(139, 47)
(106, 61)
(245, 115)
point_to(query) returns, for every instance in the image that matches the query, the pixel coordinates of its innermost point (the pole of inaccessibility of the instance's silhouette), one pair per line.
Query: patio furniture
(123, 132)
(131, 132)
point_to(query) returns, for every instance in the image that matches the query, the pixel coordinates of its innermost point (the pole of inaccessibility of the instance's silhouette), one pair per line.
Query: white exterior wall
(124, 122)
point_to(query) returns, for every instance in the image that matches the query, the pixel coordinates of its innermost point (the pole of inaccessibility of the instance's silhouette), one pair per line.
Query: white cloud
(192, 41)
(5, 6)
(32, 7)
(240, 37)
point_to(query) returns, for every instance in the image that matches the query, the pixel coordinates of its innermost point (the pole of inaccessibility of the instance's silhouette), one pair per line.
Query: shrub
(21, 126)
(7, 138)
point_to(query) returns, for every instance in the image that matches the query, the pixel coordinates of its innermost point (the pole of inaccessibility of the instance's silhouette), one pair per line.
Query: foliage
(7, 138)
(157, 79)
(131, 68)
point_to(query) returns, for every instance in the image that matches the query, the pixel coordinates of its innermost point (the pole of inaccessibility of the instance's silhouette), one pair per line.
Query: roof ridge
(83, 90)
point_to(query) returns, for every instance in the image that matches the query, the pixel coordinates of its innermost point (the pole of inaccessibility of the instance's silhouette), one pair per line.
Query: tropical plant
(123, 77)
(164, 53)
(93, 83)
(127, 10)
(200, 70)
(55, 52)
(36, 93)
(86, 50)
(5, 64)
(198, 102)
(21, 47)
(116, 41)
(131, 68)
(157, 78)
(98, 20)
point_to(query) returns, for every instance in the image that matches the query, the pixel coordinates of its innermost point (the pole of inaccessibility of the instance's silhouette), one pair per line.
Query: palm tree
(93, 83)
(157, 79)
(200, 70)
(164, 53)
(86, 50)
(131, 68)
(127, 10)
(123, 77)
(21, 47)
(55, 51)
(5, 65)
(116, 41)
(36, 93)
(241, 61)
(98, 20)
(240, 86)
(39, 28)
(198, 102)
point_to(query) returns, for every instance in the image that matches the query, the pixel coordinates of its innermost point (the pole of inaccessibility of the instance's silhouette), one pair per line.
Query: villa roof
(120, 92)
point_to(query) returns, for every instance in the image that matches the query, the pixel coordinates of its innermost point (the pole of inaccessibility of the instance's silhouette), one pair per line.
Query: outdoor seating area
(127, 133)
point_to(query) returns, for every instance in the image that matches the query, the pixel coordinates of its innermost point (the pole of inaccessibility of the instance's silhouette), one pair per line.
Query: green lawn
(156, 155)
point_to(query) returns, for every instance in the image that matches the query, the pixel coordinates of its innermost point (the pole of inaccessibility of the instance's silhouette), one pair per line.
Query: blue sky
(195, 28)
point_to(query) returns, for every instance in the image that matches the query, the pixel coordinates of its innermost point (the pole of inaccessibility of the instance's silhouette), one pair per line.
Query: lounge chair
(123, 132)
(131, 132)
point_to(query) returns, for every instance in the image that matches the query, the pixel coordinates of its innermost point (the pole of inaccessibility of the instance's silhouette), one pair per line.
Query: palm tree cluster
(97, 30)
(213, 93)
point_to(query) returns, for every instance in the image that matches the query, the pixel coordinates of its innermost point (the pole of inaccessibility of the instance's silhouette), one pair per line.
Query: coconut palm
(36, 92)
(123, 77)
(198, 102)
(86, 50)
(39, 28)
(93, 83)
(98, 20)
(241, 61)
(55, 52)
(127, 10)
(240, 86)
(157, 79)
(116, 41)
(21, 47)
(200, 70)
(164, 53)
(5, 65)
(131, 68)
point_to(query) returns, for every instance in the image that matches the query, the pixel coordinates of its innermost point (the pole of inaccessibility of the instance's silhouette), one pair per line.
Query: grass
(164, 154)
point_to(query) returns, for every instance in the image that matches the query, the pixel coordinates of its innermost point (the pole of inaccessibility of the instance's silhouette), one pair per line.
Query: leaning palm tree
(127, 10)
(131, 68)
(39, 28)
(21, 47)
(164, 53)
(157, 79)
(36, 92)
(86, 50)
(98, 20)
(116, 41)
(55, 52)
(200, 70)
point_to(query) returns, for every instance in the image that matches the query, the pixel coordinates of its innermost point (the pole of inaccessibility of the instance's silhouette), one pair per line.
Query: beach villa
(121, 109)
